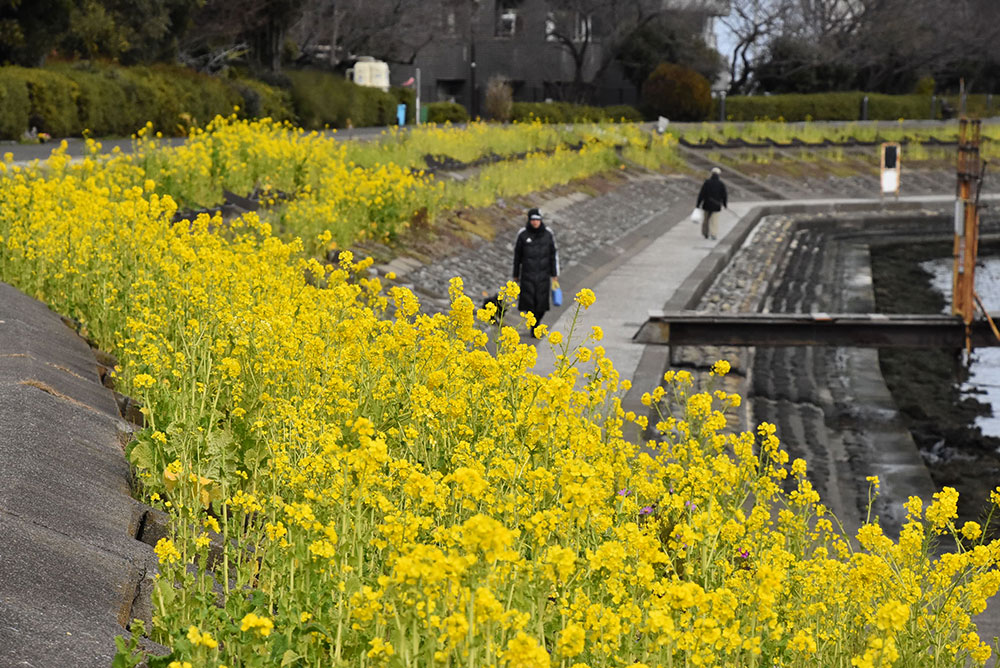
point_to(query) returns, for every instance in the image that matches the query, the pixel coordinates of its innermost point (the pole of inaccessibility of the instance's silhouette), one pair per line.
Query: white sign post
(889, 162)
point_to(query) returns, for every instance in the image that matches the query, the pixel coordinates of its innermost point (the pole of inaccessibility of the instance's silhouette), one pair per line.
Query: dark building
(545, 54)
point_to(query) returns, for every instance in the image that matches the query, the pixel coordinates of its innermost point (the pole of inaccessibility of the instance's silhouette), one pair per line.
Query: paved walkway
(668, 264)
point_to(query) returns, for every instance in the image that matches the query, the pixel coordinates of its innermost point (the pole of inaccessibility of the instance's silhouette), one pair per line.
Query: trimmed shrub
(326, 99)
(677, 92)
(976, 106)
(372, 107)
(827, 107)
(546, 112)
(263, 101)
(51, 101)
(186, 97)
(623, 112)
(15, 105)
(67, 99)
(441, 112)
(893, 107)
(102, 106)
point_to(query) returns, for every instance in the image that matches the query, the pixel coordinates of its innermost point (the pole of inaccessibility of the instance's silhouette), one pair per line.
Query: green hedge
(324, 99)
(565, 112)
(446, 112)
(67, 100)
(51, 101)
(15, 106)
(263, 101)
(836, 107)
(107, 100)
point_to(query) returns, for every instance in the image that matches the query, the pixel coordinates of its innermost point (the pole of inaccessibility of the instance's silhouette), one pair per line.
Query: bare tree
(752, 25)
(393, 30)
(897, 38)
(223, 27)
(885, 44)
(594, 33)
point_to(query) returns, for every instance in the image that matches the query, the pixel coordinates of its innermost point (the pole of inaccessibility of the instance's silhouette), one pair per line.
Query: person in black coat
(536, 263)
(711, 198)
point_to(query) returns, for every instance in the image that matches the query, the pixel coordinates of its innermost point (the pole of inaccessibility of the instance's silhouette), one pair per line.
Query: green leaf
(279, 647)
(160, 661)
(142, 456)
(289, 657)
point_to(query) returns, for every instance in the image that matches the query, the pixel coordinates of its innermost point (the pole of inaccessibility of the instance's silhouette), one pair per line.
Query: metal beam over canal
(864, 330)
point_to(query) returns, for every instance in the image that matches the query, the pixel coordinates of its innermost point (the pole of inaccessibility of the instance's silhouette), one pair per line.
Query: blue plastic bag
(556, 294)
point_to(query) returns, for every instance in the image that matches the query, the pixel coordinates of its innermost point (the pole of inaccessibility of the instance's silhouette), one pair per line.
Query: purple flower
(623, 492)
(745, 553)
(646, 510)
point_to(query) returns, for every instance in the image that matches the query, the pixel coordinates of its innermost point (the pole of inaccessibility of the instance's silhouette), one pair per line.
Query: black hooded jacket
(536, 260)
(712, 196)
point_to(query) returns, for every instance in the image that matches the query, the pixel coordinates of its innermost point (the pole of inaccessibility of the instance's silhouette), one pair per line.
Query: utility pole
(966, 245)
(473, 21)
(416, 115)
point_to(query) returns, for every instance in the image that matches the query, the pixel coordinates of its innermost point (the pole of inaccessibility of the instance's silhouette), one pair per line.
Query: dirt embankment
(925, 383)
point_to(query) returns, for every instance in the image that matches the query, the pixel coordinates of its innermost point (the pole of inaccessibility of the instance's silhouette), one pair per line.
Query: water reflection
(983, 383)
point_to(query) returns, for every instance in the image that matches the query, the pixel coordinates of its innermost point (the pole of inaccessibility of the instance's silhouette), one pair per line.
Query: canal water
(983, 383)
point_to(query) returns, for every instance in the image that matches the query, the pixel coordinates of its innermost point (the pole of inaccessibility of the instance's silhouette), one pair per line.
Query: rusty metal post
(966, 246)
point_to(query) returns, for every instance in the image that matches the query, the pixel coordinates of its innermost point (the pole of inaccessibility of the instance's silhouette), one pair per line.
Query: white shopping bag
(697, 216)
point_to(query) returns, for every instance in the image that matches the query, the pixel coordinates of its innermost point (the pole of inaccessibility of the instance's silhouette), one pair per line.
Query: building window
(450, 90)
(509, 21)
(575, 26)
(583, 27)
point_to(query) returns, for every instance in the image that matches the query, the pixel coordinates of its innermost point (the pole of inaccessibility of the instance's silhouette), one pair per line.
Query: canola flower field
(352, 483)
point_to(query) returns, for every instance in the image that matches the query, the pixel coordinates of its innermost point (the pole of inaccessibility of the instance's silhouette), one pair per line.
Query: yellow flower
(585, 298)
(524, 651)
(167, 551)
(571, 640)
(944, 508)
(972, 530)
(261, 625)
(199, 638)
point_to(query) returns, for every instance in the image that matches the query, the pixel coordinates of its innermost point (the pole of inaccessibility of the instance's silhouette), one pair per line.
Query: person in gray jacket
(711, 199)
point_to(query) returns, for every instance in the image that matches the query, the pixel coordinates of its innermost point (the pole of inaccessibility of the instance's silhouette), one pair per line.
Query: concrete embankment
(72, 574)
